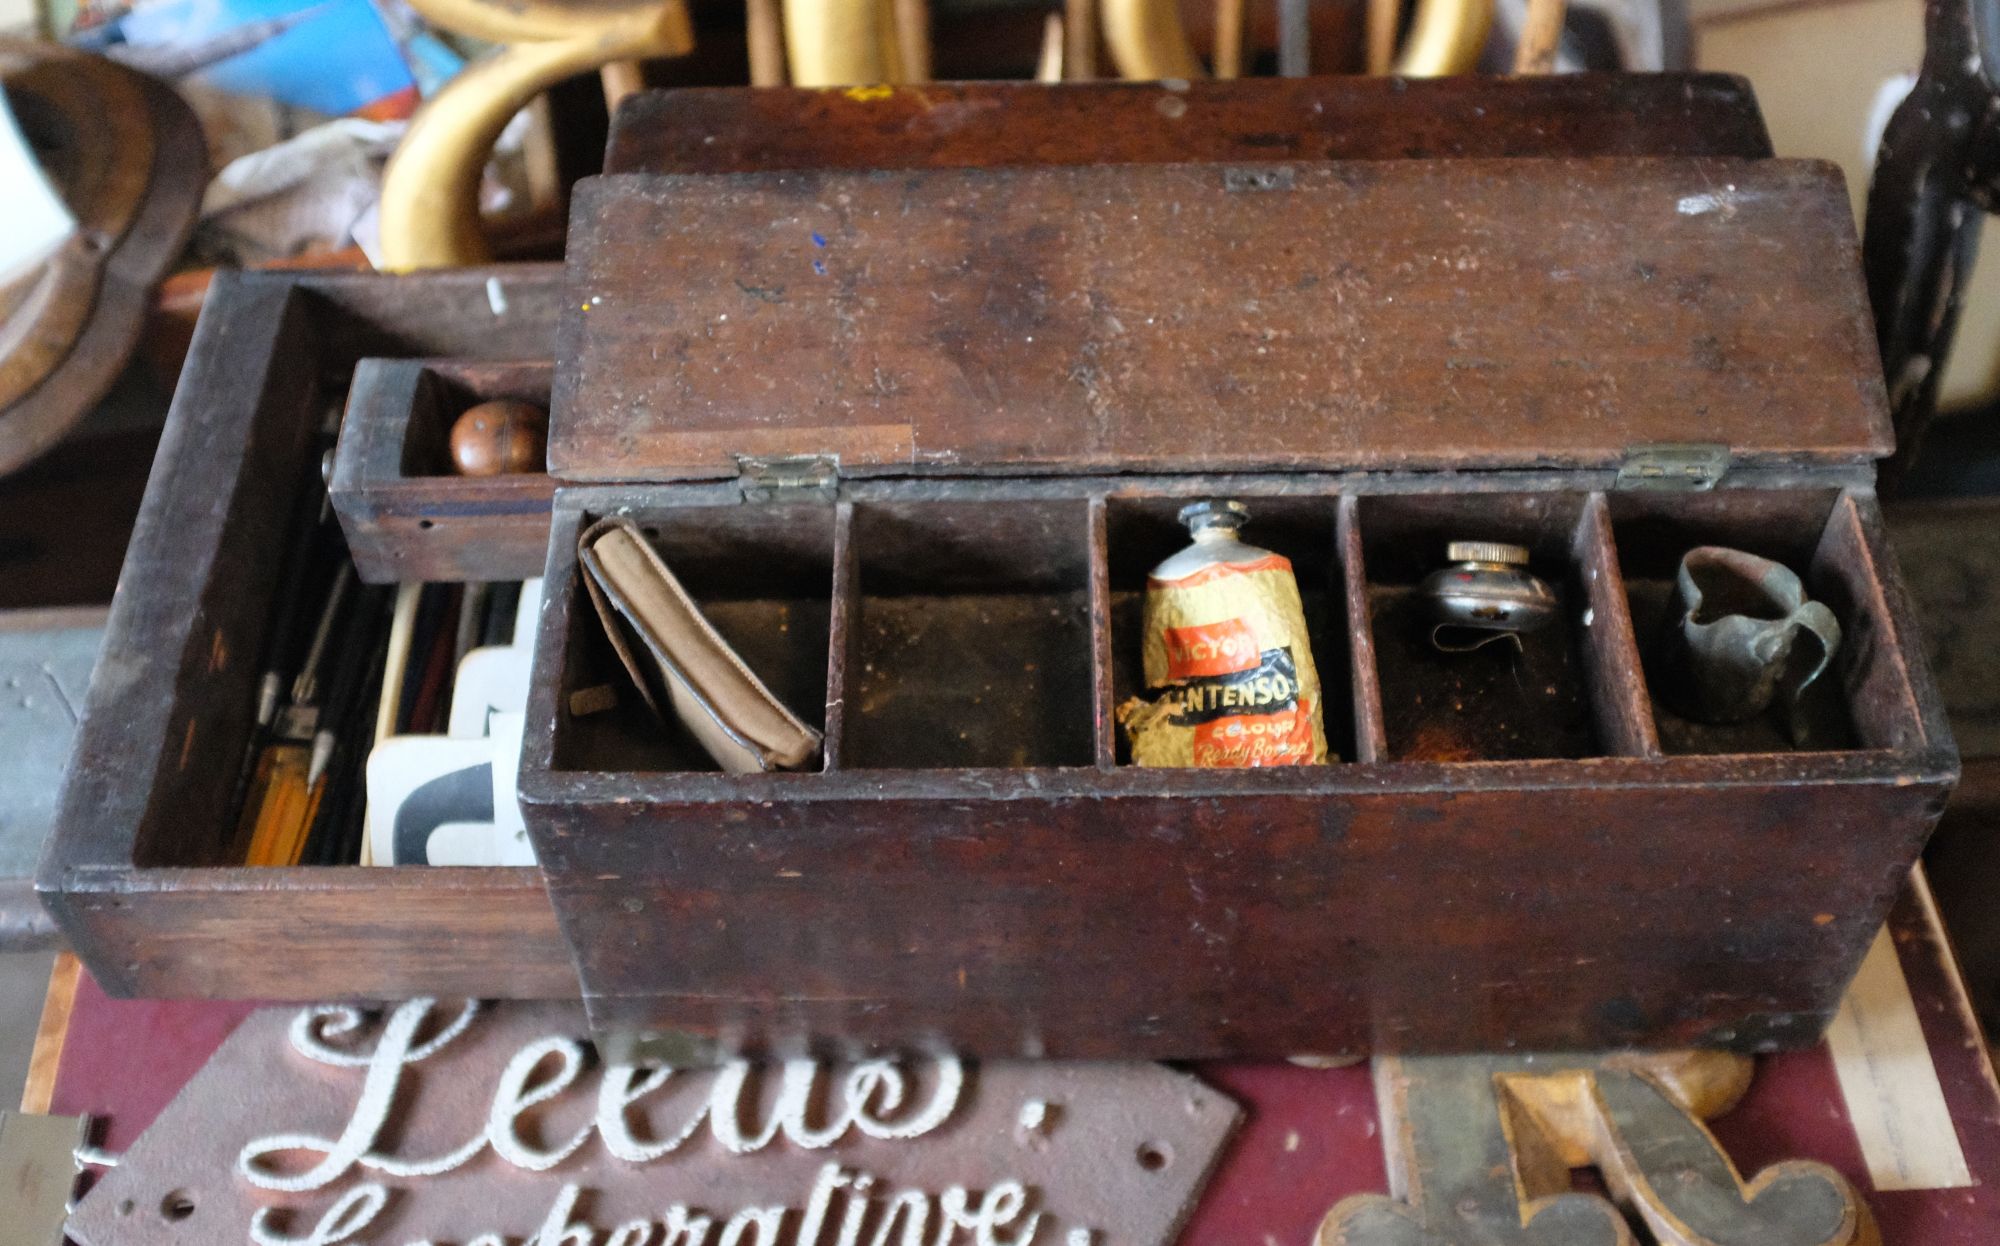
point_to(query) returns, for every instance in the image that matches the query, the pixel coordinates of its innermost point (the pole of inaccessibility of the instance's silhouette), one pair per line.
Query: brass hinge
(799, 478)
(1690, 467)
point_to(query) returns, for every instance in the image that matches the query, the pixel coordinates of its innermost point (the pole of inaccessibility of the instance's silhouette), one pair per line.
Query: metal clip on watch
(1486, 594)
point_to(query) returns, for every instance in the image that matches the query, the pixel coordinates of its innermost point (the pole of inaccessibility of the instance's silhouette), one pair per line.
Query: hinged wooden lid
(1449, 314)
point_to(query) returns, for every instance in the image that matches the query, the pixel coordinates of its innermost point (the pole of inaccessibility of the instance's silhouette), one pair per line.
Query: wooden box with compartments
(911, 418)
(915, 438)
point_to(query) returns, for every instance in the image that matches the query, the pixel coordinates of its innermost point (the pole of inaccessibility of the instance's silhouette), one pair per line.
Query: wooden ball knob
(500, 438)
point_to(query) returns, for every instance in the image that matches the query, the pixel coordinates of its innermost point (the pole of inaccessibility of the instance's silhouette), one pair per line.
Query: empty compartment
(971, 643)
(1500, 701)
(763, 577)
(1141, 532)
(1862, 700)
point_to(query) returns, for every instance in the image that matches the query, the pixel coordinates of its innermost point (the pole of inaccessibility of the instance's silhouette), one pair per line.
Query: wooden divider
(1618, 680)
(1102, 698)
(1371, 737)
(840, 632)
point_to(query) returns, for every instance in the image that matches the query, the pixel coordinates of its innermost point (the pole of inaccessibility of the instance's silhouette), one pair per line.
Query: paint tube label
(1229, 673)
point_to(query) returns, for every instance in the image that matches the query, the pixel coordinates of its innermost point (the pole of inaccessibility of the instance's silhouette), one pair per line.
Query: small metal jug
(1740, 633)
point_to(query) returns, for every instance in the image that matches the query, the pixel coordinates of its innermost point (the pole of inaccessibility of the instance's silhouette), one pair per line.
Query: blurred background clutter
(162, 141)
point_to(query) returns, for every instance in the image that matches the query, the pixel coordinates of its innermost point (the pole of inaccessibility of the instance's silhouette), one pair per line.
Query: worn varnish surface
(981, 124)
(1411, 314)
(922, 889)
(1535, 904)
(1087, 907)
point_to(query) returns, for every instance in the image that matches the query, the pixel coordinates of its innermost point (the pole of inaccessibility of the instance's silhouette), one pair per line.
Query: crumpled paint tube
(1230, 679)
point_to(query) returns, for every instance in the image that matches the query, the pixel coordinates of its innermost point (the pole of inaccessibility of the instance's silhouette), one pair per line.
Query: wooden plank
(305, 933)
(499, 312)
(180, 649)
(1408, 315)
(1623, 705)
(1365, 915)
(51, 1034)
(969, 124)
(1370, 735)
(1890, 1083)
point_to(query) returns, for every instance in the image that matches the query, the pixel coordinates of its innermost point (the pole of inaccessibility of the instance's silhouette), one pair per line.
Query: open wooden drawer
(141, 872)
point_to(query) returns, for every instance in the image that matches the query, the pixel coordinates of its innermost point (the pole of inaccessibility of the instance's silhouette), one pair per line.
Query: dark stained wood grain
(499, 312)
(1371, 736)
(964, 124)
(1544, 904)
(979, 125)
(1082, 907)
(1402, 315)
(1103, 692)
(1853, 571)
(1624, 708)
(312, 934)
(842, 610)
(173, 685)
(1385, 905)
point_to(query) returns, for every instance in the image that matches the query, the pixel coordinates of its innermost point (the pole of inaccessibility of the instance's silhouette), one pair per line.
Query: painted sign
(462, 1124)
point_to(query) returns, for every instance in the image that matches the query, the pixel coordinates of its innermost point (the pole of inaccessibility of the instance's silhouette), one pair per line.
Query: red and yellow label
(1282, 739)
(1229, 671)
(1211, 649)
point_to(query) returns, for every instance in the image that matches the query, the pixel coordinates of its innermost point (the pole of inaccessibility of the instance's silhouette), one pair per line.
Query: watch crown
(1487, 551)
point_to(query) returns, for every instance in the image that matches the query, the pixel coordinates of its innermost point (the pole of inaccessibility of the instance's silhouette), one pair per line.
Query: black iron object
(1937, 174)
